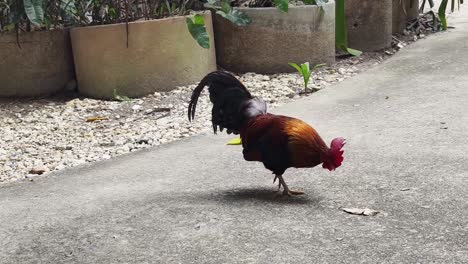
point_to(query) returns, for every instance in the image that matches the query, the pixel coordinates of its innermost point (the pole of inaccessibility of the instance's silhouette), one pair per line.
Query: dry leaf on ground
(96, 118)
(361, 211)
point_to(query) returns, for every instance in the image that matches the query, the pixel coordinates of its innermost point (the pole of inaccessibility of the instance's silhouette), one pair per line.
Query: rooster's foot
(290, 193)
(286, 190)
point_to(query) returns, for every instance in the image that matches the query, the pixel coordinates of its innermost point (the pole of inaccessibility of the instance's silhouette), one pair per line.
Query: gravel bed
(43, 135)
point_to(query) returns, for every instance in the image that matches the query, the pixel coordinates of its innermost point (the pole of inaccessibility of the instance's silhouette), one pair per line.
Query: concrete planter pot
(42, 66)
(369, 24)
(403, 12)
(161, 55)
(274, 39)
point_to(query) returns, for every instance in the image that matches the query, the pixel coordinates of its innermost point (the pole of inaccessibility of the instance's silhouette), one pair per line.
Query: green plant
(100, 12)
(21, 16)
(341, 32)
(224, 9)
(441, 11)
(30, 15)
(197, 29)
(443, 8)
(34, 11)
(305, 71)
(282, 5)
(18, 14)
(121, 98)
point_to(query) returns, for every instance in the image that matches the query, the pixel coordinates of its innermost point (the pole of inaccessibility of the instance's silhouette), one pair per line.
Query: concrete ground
(197, 201)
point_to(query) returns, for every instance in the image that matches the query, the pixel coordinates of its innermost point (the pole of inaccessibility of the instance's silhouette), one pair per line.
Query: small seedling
(121, 98)
(304, 70)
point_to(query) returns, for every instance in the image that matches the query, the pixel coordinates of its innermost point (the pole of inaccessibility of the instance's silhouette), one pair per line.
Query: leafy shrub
(282, 5)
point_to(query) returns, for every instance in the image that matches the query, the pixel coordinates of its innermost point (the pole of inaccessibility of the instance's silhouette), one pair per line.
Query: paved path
(197, 201)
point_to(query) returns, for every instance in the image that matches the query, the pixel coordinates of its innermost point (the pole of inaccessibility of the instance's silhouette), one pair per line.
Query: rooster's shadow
(265, 195)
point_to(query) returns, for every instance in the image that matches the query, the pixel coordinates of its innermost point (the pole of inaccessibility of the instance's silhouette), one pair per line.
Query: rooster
(279, 142)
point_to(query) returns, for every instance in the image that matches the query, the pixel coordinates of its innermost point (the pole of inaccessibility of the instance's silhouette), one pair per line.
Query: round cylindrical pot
(161, 55)
(369, 24)
(274, 38)
(34, 64)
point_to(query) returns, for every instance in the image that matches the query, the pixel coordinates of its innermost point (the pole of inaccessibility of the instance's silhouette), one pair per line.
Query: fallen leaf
(360, 211)
(96, 118)
(39, 170)
(158, 109)
(369, 212)
(235, 141)
(356, 211)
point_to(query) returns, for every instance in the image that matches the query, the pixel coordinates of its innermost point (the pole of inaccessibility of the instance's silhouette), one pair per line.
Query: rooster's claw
(290, 193)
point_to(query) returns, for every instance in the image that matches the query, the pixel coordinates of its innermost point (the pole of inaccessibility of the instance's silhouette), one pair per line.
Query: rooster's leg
(286, 190)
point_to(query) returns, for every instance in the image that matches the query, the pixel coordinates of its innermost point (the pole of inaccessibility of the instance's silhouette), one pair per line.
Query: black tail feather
(220, 80)
(230, 98)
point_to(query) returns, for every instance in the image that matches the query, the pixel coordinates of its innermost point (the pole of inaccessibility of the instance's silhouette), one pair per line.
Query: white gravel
(44, 135)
